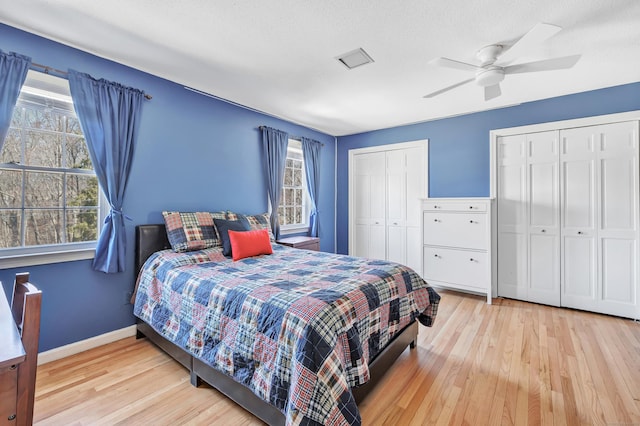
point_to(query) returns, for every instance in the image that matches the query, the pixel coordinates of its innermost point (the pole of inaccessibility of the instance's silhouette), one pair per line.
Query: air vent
(355, 58)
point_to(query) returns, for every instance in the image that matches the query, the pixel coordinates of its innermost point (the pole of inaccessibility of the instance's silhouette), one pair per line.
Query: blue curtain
(109, 115)
(274, 148)
(311, 152)
(13, 72)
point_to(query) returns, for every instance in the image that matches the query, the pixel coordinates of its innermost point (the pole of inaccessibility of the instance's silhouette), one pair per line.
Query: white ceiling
(278, 57)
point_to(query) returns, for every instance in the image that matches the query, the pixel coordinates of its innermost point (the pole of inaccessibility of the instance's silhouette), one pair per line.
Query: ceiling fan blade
(450, 63)
(535, 36)
(437, 92)
(491, 92)
(560, 63)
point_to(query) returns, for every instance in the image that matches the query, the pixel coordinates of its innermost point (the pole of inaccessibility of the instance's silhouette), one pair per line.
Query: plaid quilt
(297, 327)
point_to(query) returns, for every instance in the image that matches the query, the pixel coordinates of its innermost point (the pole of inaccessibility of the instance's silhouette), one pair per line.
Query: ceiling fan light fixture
(489, 77)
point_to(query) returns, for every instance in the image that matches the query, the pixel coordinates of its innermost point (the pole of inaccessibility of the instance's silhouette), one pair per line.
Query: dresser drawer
(467, 268)
(469, 206)
(466, 230)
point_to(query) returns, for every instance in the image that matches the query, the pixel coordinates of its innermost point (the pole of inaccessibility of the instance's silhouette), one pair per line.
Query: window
(49, 195)
(293, 212)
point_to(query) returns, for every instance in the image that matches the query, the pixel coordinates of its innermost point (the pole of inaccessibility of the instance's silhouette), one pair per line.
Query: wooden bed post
(25, 307)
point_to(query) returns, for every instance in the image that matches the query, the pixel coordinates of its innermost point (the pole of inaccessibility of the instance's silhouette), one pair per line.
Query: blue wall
(459, 148)
(193, 153)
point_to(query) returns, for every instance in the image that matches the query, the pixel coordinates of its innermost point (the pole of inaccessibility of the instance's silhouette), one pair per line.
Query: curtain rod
(295, 138)
(62, 74)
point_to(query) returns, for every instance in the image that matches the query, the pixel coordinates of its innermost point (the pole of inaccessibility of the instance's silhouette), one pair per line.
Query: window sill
(294, 230)
(19, 261)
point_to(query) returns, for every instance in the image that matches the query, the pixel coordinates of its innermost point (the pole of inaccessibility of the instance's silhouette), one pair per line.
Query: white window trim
(303, 227)
(18, 257)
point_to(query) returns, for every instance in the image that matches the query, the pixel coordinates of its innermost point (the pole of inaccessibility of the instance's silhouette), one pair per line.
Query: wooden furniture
(152, 238)
(302, 242)
(19, 334)
(386, 186)
(457, 244)
(568, 226)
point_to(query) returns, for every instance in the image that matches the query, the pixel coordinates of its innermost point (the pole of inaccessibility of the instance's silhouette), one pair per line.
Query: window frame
(296, 146)
(56, 89)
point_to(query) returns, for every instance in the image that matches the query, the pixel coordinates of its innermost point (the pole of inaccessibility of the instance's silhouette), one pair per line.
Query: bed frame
(152, 238)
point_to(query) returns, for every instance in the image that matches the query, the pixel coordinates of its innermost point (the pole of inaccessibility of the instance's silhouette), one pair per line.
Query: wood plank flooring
(507, 363)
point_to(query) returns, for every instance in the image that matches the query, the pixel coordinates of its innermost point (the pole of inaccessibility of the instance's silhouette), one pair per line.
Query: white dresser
(456, 250)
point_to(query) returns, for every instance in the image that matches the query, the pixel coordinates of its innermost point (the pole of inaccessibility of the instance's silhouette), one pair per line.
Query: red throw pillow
(249, 243)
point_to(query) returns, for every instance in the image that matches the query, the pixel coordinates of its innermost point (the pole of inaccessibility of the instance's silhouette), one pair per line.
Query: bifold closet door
(405, 188)
(600, 218)
(528, 217)
(370, 205)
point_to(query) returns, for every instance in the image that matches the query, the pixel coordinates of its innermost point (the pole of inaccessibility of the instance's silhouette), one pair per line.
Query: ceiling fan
(495, 59)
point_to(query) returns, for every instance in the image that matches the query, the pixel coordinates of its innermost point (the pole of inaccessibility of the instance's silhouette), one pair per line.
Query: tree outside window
(48, 189)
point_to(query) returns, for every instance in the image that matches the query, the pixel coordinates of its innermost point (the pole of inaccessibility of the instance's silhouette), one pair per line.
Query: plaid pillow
(256, 221)
(189, 231)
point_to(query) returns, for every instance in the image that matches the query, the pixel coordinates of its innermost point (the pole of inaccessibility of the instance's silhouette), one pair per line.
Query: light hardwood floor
(507, 363)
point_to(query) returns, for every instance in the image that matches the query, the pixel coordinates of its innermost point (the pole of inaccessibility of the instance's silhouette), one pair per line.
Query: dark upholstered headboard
(149, 239)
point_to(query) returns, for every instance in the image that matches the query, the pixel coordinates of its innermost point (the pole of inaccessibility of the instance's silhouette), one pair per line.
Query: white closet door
(405, 189)
(512, 222)
(618, 218)
(543, 218)
(578, 158)
(600, 221)
(415, 159)
(396, 206)
(528, 218)
(370, 205)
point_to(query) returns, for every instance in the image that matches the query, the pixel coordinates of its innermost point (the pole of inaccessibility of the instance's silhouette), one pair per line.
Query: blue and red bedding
(297, 327)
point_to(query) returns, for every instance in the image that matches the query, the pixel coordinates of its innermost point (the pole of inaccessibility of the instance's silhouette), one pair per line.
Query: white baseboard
(84, 345)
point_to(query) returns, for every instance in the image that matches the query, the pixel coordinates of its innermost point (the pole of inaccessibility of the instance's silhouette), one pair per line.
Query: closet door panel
(618, 203)
(396, 243)
(363, 237)
(511, 212)
(579, 193)
(414, 248)
(544, 269)
(579, 273)
(543, 190)
(377, 242)
(512, 265)
(415, 187)
(396, 187)
(618, 270)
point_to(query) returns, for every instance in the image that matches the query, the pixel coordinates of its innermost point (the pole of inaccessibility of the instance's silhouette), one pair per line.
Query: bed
(280, 368)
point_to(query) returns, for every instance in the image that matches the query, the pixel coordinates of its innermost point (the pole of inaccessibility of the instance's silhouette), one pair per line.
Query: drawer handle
(11, 417)
(436, 207)
(472, 221)
(471, 207)
(436, 255)
(13, 367)
(472, 260)
(544, 230)
(395, 223)
(436, 220)
(580, 232)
